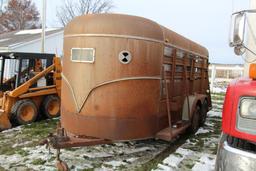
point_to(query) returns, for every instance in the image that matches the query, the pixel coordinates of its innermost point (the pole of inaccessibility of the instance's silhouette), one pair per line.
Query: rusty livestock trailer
(129, 78)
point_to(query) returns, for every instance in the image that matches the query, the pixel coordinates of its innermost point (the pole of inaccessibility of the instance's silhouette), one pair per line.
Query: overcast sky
(204, 21)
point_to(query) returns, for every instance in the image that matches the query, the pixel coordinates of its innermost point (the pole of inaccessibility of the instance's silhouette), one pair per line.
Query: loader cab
(17, 68)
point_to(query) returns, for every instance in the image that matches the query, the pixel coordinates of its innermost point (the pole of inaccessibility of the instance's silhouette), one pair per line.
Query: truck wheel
(24, 111)
(51, 106)
(195, 120)
(203, 112)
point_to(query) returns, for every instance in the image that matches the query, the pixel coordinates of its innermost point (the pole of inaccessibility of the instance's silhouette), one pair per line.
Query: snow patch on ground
(214, 114)
(174, 160)
(19, 128)
(133, 159)
(161, 167)
(21, 144)
(115, 164)
(202, 131)
(97, 155)
(5, 161)
(198, 152)
(101, 157)
(137, 150)
(219, 90)
(198, 160)
(206, 164)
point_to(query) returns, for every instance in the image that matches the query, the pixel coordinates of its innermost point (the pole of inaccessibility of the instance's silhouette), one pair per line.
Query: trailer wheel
(51, 106)
(203, 112)
(195, 120)
(24, 111)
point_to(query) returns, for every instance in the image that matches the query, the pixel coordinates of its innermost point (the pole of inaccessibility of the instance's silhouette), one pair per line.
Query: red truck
(237, 147)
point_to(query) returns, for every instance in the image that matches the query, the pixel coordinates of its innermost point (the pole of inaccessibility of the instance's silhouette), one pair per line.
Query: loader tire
(24, 111)
(51, 106)
(195, 122)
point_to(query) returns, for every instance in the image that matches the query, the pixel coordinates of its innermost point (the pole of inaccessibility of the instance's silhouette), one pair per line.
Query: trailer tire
(203, 112)
(195, 120)
(51, 106)
(24, 111)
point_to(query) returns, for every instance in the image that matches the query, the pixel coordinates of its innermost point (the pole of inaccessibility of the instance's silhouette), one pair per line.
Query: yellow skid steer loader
(30, 86)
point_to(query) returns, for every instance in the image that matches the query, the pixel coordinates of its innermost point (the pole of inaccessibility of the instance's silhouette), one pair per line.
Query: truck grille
(241, 144)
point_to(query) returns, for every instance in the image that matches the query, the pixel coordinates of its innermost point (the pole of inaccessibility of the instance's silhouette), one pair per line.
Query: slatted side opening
(185, 74)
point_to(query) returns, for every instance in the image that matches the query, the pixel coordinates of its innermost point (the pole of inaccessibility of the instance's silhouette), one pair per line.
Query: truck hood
(242, 87)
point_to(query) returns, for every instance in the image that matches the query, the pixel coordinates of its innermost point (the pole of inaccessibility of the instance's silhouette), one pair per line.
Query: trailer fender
(190, 104)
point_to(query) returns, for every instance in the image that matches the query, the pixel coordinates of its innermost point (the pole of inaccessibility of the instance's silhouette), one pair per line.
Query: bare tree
(70, 9)
(19, 15)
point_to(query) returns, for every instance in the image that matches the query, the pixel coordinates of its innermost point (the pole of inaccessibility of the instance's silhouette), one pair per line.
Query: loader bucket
(4, 121)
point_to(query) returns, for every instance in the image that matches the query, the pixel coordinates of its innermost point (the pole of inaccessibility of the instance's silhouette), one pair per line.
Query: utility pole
(251, 38)
(43, 25)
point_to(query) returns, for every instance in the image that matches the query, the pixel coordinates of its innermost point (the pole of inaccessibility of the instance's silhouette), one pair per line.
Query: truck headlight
(248, 108)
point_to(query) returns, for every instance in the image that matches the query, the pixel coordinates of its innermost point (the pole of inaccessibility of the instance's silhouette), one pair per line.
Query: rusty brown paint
(111, 100)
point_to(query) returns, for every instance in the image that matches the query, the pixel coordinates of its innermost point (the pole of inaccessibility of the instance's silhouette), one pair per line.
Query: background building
(30, 41)
(220, 75)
